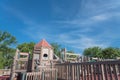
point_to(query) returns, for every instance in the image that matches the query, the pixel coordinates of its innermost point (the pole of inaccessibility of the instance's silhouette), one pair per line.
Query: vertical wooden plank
(103, 73)
(87, 71)
(115, 72)
(105, 69)
(78, 72)
(98, 71)
(67, 72)
(64, 72)
(61, 71)
(26, 76)
(73, 76)
(94, 71)
(119, 68)
(84, 72)
(58, 71)
(90, 71)
(75, 72)
(100, 66)
(110, 71)
(43, 75)
(32, 76)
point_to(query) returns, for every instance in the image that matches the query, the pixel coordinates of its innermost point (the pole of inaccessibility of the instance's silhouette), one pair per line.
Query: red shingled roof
(43, 43)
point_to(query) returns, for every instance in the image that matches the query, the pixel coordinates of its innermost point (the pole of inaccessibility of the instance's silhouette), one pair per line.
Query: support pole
(12, 74)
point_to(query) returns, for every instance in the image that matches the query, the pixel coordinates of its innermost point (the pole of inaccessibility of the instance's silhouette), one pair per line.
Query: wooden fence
(102, 70)
(43, 74)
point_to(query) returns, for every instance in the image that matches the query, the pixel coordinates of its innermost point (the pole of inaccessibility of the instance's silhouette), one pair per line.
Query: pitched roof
(43, 43)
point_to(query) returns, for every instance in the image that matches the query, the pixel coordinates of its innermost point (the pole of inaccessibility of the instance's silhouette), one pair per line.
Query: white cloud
(94, 12)
(100, 17)
(18, 14)
(82, 42)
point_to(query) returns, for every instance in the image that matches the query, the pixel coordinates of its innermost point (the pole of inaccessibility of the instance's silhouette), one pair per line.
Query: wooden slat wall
(102, 70)
(44, 74)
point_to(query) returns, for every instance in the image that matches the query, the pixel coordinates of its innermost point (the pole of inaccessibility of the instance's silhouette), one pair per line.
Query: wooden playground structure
(45, 65)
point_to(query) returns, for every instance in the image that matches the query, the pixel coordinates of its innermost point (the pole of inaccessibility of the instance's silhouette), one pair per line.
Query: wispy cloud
(83, 41)
(94, 12)
(18, 14)
(91, 20)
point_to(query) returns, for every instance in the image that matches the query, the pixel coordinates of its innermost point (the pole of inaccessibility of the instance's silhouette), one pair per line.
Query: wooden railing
(102, 70)
(43, 74)
(4, 72)
(21, 66)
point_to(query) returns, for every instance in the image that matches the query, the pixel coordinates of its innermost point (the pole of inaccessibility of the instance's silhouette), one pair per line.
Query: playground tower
(42, 55)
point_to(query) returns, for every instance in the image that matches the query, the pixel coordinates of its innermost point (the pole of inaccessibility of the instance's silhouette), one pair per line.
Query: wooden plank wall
(102, 70)
(43, 74)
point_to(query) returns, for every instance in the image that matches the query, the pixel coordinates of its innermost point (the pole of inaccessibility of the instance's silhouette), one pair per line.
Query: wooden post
(103, 73)
(67, 72)
(32, 62)
(12, 74)
(65, 55)
(56, 74)
(73, 72)
(43, 74)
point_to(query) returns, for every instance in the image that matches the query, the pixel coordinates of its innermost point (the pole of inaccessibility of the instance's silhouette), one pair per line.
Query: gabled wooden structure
(43, 55)
(43, 58)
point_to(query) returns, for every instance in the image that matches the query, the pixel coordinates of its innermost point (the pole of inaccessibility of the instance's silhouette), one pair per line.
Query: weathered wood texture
(102, 70)
(44, 74)
(4, 72)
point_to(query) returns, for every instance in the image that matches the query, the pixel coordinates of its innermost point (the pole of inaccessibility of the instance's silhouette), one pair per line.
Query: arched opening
(45, 55)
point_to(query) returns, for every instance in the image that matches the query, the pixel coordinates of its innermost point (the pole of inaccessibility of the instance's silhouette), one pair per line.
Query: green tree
(7, 57)
(6, 50)
(118, 52)
(93, 52)
(70, 51)
(107, 53)
(56, 48)
(6, 40)
(27, 47)
(110, 52)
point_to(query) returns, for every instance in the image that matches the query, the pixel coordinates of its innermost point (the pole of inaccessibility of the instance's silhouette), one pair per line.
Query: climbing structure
(43, 58)
(20, 64)
(43, 55)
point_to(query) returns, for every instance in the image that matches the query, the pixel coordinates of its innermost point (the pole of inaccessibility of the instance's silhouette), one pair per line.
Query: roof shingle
(43, 43)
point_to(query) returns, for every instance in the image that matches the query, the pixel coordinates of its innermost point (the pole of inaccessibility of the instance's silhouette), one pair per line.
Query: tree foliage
(6, 41)
(56, 48)
(70, 51)
(26, 47)
(92, 52)
(6, 50)
(109, 52)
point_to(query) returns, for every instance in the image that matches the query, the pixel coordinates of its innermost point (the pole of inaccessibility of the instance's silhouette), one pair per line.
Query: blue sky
(75, 24)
